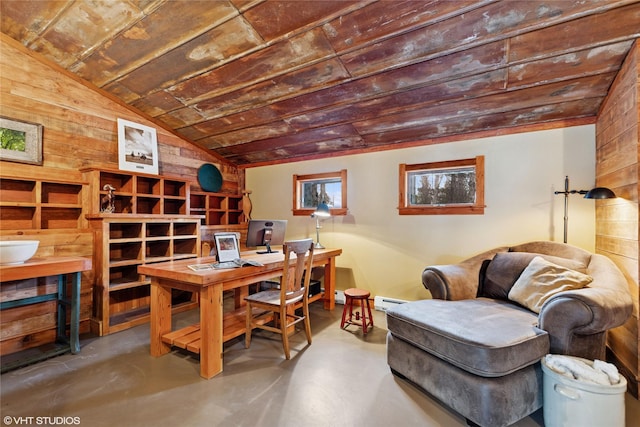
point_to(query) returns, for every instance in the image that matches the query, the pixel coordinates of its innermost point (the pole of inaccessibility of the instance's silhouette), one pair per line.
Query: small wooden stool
(364, 317)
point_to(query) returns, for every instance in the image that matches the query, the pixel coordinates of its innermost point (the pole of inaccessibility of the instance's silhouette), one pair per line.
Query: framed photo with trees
(20, 141)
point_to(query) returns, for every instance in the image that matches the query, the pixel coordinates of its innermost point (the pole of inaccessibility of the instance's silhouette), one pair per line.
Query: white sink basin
(17, 251)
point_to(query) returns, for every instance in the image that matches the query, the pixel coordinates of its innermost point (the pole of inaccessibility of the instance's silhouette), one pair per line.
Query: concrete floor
(342, 379)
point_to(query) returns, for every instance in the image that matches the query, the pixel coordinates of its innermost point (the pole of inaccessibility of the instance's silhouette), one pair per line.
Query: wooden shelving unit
(122, 243)
(151, 223)
(38, 203)
(137, 193)
(217, 208)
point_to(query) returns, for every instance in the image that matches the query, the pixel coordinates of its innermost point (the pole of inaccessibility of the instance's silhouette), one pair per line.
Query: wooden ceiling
(260, 82)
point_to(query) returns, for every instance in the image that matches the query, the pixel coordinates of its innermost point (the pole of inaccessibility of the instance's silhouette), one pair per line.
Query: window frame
(404, 208)
(298, 180)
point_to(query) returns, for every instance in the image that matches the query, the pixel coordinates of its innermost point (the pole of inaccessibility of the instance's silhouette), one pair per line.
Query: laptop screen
(227, 246)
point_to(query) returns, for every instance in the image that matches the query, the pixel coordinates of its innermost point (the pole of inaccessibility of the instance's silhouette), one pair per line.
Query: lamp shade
(322, 210)
(600, 193)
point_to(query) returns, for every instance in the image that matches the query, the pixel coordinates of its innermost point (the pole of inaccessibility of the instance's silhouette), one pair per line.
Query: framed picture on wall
(20, 141)
(137, 147)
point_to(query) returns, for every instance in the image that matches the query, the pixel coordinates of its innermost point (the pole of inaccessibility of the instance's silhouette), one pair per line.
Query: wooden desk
(208, 337)
(44, 267)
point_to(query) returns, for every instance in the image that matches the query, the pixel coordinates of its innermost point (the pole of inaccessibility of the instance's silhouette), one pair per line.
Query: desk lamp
(322, 211)
(594, 193)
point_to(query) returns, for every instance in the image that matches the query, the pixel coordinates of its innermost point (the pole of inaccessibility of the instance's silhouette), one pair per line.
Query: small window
(442, 188)
(329, 188)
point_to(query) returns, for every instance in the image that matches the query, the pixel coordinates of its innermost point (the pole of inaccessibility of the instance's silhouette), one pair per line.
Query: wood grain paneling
(617, 220)
(80, 130)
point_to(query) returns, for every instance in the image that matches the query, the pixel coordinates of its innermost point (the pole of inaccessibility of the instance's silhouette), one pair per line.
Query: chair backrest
(292, 286)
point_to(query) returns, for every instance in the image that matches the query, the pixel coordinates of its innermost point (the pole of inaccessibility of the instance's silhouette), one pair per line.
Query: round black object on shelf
(209, 178)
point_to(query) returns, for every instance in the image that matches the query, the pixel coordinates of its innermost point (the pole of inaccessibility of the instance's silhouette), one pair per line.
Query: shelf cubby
(174, 188)
(61, 194)
(122, 182)
(148, 205)
(125, 230)
(125, 251)
(59, 217)
(125, 276)
(184, 248)
(158, 229)
(17, 191)
(174, 206)
(156, 249)
(147, 185)
(184, 228)
(17, 217)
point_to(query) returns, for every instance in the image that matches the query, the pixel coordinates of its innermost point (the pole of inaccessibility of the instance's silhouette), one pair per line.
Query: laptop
(228, 251)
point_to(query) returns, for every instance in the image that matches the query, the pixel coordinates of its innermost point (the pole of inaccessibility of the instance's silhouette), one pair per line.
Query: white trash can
(568, 402)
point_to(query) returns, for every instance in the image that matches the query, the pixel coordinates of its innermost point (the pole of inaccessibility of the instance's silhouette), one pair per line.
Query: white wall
(386, 253)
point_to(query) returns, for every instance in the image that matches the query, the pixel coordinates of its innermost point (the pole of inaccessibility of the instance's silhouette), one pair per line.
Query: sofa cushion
(543, 279)
(486, 337)
(499, 275)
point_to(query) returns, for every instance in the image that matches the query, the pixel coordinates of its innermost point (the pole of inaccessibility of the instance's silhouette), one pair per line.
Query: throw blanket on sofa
(598, 372)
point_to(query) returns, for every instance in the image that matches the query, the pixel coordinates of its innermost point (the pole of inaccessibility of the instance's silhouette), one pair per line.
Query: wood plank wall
(80, 130)
(617, 221)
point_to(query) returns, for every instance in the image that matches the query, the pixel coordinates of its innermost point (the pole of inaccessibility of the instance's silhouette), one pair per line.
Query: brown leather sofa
(479, 352)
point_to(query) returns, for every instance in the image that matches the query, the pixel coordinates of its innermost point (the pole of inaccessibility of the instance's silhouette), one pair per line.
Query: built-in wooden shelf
(217, 208)
(137, 193)
(124, 242)
(38, 203)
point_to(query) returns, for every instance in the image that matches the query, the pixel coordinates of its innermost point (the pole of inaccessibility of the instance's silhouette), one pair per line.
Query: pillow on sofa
(502, 272)
(542, 279)
(498, 276)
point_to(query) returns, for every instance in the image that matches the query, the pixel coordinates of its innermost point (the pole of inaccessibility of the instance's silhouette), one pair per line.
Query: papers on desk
(201, 267)
(236, 263)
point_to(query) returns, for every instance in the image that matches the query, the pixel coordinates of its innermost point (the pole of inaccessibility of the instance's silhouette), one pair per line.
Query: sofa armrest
(582, 312)
(450, 282)
(586, 311)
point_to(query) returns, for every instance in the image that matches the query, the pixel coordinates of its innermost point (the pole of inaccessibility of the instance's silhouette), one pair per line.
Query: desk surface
(44, 266)
(180, 271)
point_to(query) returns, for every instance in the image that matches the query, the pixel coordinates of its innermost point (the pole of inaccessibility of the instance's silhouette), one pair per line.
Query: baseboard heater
(379, 303)
(385, 303)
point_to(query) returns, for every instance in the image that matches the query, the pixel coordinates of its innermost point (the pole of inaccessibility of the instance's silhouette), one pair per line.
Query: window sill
(442, 210)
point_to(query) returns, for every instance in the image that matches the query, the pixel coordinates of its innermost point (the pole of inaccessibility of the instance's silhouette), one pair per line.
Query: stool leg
(369, 310)
(344, 311)
(364, 315)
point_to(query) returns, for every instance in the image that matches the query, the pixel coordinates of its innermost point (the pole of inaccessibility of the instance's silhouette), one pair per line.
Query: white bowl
(17, 251)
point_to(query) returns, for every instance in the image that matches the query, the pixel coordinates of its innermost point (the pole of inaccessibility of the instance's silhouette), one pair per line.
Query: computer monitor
(266, 232)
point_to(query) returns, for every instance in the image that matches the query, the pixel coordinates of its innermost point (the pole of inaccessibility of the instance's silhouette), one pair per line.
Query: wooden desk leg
(160, 317)
(211, 331)
(239, 294)
(330, 284)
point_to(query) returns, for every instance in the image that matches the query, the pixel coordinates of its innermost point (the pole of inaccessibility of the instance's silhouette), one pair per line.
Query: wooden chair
(281, 302)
